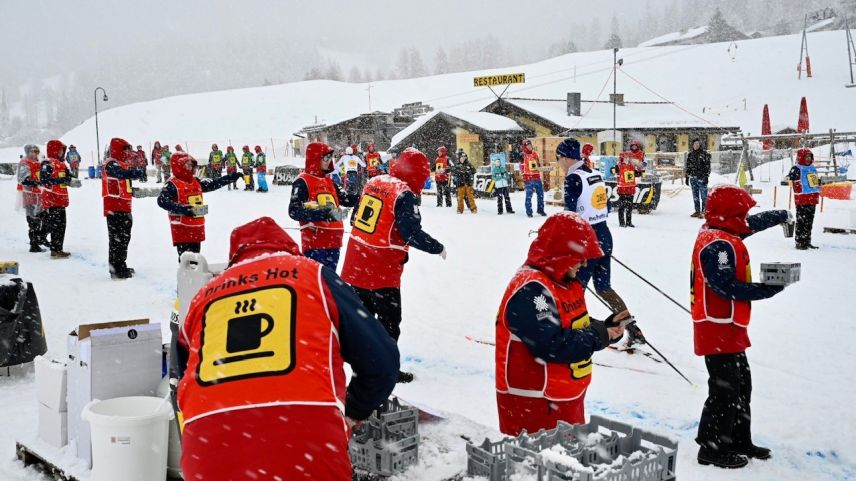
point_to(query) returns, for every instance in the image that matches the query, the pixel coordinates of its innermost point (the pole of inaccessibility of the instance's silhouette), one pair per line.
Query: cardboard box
(106, 361)
(51, 383)
(53, 426)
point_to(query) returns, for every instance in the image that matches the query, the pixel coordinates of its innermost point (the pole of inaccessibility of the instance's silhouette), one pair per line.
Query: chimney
(574, 100)
(617, 99)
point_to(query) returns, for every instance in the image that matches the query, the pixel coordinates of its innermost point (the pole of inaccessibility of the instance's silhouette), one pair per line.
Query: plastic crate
(601, 450)
(780, 273)
(388, 441)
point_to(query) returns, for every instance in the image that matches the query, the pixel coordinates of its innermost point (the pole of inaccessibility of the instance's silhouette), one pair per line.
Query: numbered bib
(813, 180)
(629, 176)
(247, 335)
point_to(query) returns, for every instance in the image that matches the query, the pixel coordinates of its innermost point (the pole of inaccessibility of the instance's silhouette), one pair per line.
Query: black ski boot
(404, 377)
(721, 459)
(634, 335)
(752, 451)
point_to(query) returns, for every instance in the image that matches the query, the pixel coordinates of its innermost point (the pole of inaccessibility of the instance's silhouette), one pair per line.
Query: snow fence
(602, 450)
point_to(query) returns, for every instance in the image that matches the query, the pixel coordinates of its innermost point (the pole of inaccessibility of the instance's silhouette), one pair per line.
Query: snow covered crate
(780, 273)
(601, 450)
(388, 441)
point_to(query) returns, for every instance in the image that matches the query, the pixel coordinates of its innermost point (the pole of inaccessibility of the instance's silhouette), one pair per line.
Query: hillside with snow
(724, 87)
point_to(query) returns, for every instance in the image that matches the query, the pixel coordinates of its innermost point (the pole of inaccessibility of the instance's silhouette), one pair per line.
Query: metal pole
(849, 52)
(614, 97)
(97, 134)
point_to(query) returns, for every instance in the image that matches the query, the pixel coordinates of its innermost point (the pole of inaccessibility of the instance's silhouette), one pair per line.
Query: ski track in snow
(801, 358)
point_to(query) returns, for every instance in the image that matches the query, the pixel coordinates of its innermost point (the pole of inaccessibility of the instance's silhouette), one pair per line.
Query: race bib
(813, 180)
(599, 197)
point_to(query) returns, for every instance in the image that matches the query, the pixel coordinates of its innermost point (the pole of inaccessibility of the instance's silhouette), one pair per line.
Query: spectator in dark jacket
(697, 172)
(465, 173)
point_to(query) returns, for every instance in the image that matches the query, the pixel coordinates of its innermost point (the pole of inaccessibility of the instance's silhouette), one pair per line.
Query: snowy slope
(696, 77)
(802, 358)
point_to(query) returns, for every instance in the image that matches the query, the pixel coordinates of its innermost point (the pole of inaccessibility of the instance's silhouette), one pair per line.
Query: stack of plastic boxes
(388, 441)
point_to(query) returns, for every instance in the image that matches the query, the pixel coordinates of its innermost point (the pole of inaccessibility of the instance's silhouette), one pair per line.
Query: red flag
(766, 130)
(802, 123)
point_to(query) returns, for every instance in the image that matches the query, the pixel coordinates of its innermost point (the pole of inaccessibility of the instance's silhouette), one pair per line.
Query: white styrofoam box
(53, 426)
(194, 272)
(110, 360)
(51, 383)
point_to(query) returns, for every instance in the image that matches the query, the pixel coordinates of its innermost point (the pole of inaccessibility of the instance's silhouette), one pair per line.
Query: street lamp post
(616, 62)
(97, 137)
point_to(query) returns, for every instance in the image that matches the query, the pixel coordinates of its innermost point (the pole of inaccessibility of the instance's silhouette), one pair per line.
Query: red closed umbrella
(765, 128)
(802, 123)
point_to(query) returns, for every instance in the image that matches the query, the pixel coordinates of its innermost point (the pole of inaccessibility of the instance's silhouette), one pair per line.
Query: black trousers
(805, 220)
(188, 247)
(119, 236)
(625, 209)
(385, 304)
(36, 230)
(502, 193)
(726, 417)
(55, 221)
(444, 191)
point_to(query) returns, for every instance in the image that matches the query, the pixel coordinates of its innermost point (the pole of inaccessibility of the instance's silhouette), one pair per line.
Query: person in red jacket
(142, 163)
(626, 172)
(532, 178)
(545, 337)
(442, 178)
(181, 196)
(119, 169)
(720, 296)
(262, 389)
(54, 178)
(374, 163)
(315, 201)
(383, 228)
(806, 184)
(156, 160)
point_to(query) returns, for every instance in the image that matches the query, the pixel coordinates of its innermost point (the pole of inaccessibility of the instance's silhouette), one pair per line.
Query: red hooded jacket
(55, 195)
(117, 192)
(799, 197)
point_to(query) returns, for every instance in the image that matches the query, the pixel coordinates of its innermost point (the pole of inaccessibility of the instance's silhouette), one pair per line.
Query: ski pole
(646, 341)
(646, 281)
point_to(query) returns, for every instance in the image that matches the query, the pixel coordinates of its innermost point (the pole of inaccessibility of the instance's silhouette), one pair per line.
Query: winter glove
(141, 174)
(617, 318)
(186, 211)
(335, 214)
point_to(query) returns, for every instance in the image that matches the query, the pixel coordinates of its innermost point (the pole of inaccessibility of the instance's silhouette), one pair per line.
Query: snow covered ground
(802, 359)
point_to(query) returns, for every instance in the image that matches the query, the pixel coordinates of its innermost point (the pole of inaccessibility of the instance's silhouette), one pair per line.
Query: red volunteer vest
(116, 192)
(260, 335)
(376, 252)
(626, 178)
(55, 195)
(187, 229)
(373, 163)
(31, 195)
(530, 166)
(442, 163)
(520, 373)
(321, 235)
(719, 324)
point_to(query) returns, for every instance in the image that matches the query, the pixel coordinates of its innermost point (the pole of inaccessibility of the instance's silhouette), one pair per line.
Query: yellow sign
(468, 138)
(368, 213)
(505, 79)
(599, 197)
(247, 335)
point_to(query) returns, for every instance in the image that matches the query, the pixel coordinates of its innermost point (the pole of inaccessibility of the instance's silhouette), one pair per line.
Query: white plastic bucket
(129, 438)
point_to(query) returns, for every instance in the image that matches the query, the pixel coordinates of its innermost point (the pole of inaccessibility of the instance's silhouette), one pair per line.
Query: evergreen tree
(354, 76)
(614, 41)
(313, 74)
(333, 71)
(441, 62)
(402, 65)
(718, 30)
(417, 67)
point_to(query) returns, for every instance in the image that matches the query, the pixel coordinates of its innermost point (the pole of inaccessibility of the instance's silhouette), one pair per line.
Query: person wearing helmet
(247, 162)
(72, 157)
(697, 172)
(30, 188)
(586, 194)
(351, 163)
(215, 162)
(181, 197)
(374, 163)
(315, 202)
(465, 174)
(442, 177)
(231, 161)
(386, 224)
(532, 178)
(545, 337)
(261, 169)
(166, 155)
(806, 185)
(721, 293)
(116, 191)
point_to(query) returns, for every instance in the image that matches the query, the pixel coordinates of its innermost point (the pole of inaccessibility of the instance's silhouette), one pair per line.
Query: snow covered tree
(333, 71)
(354, 76)
(416, 66)
(441, 62)
(378, 75)
(614, 41)
(313, 74)
(402, 65)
